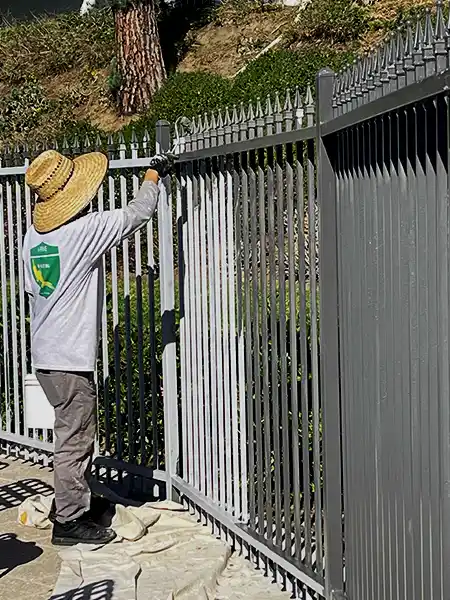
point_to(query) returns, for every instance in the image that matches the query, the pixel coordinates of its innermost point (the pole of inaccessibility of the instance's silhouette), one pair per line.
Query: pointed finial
(134, 138)
(259, 110)
(448, 23)
(146, 139)
(418, 39)
(277, 105)
(76, 145)
(250, 112)
(111, 145)
(206, 123)
(200, 126)
(439, 33)
(298, 103)
(309, 97)
(65, 145)
(385, 57)
(87, 142)
(220, 122)
(440, 46)
(400, 56)
(409, 44)
(227, 120)
(269, 110)
(242, 115)
(234, 117)
(429, 32)
(98, 141)
(392, 48)
(288, 102)
(213, 121)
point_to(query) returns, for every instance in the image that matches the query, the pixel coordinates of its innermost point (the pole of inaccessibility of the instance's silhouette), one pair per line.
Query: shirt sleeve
(109, 228)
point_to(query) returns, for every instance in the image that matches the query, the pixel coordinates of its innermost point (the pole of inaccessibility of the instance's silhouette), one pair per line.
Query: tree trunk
(139, 56)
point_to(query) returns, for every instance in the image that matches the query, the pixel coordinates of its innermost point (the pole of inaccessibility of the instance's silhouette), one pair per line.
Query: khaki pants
(73, 397)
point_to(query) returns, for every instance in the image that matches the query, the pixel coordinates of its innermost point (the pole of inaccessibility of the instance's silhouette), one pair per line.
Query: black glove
(163, 164)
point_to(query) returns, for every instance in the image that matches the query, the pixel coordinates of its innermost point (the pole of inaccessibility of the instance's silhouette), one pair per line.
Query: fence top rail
(124, 163)
(268, 141)
(417, 92)
(409, 55)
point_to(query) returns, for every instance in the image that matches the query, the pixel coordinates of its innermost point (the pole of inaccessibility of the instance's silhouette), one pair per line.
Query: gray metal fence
(275, 348)
(250, 403)
(388, 146)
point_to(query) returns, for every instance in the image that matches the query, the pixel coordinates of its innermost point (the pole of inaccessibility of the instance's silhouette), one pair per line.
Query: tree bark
(139, 56)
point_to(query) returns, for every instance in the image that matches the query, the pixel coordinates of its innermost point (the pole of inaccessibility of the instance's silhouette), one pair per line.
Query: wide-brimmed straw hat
(64, 187)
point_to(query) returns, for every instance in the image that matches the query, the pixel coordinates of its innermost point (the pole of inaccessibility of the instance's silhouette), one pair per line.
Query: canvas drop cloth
(161, 553)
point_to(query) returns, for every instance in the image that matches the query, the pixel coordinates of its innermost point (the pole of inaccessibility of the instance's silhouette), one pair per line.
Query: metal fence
(290, 382)
(250, 404)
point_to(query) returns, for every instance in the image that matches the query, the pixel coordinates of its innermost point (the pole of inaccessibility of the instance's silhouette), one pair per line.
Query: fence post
(167, 293)
(329, 347)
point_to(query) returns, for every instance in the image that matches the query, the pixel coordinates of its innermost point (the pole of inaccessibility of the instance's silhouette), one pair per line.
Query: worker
(62, 255)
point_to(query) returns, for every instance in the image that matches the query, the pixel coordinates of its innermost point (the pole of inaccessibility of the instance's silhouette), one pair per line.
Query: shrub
(27, 108)
(45, 47)
(281, 69)
(190, 94)
(337, 21)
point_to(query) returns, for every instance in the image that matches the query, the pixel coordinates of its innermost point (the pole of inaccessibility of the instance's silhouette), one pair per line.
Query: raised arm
(109, 228)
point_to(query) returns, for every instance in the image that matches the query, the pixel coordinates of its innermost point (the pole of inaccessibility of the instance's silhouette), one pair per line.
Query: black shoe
(80, 531)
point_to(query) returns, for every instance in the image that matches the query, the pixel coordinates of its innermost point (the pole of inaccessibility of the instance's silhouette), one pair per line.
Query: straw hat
(64, 187)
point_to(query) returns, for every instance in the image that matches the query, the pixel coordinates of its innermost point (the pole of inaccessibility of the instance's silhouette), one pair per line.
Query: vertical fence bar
(13, 303)
(259, 462)
(329, 345)
(225, 196)
(115, 324)
(212, 275)
(169, 359)
(199, 406)
(203, 199)
(6, 415)
(232, 200)
(444, 376)
(22, 310)
(295, 476)
(249, 375)
(141, 443)
(181, 232)
(127, 313)
(104, 350)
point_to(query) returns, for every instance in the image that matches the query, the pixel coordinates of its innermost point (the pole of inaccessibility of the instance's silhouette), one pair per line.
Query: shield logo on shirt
(46, 268)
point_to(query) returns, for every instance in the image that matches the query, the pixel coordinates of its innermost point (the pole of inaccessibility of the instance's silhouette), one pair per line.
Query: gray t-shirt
(64, 278)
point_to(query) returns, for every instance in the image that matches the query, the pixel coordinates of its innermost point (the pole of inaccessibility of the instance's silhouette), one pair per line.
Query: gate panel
(392, 202)
(251, 408)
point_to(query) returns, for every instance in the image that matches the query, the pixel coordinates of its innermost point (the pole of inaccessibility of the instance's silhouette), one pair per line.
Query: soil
(227, 47)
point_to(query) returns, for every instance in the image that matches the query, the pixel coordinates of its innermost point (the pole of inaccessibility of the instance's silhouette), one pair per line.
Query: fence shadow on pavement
(101, 590)
(15, 553)
(13, 494)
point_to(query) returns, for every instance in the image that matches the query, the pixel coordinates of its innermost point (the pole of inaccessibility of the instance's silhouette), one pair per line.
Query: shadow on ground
(102, 590)
(13, 494)
(15, 553)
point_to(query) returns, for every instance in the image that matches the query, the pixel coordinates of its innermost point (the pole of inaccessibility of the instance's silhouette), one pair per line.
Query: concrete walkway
(30, 566)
